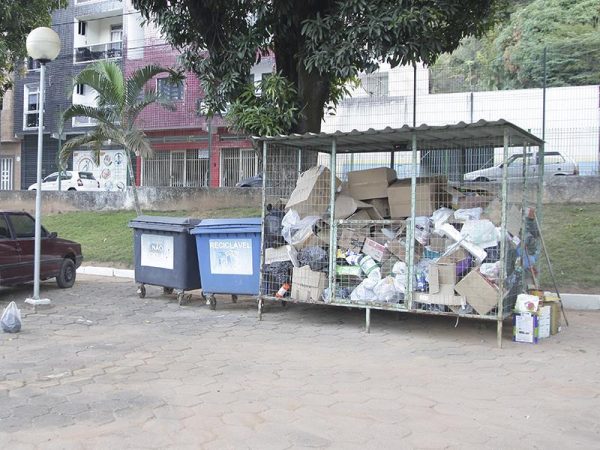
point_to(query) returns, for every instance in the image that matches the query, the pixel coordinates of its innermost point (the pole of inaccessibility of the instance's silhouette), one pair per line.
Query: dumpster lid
(214, 226)
(163, 223)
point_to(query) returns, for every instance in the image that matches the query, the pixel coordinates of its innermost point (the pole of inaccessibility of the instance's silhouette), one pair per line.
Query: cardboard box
(374, 249)
(469, 199)
(438, 244)
(370, 183)
(442, 280)
(430, 195)
(346, 208)
(398, 249)
(544, 321)
(307, 285)
(444, 295)
(369, 213)
(554, 302)
(381, 205)
(352, 239)
(312, 192)
(525, 327)
(278, 254)
(479, 292)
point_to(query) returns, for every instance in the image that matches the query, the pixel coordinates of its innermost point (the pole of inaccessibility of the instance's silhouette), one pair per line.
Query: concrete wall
(556, 190)
(151, 199)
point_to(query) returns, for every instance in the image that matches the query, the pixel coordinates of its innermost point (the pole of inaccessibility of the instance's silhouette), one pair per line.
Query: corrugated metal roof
(460, 135)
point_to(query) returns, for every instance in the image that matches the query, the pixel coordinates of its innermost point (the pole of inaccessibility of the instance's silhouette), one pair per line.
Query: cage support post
(410, 232)
(502, 282)
(368, 320)
(333, 228)
(260, 302)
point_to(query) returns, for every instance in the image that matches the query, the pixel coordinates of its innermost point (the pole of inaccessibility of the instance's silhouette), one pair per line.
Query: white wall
(572, 114)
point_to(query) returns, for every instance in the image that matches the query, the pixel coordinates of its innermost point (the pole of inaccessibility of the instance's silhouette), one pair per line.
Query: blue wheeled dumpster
(165, 254)
(228, 256)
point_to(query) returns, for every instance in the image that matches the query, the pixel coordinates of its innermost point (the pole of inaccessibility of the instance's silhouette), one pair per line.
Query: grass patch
(105, 236)
(571, 233)
(572, 236)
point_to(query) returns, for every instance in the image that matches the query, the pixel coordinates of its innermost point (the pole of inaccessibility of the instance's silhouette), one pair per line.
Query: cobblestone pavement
(103, 369)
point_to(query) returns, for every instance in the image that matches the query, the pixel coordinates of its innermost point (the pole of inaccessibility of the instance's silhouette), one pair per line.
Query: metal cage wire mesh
(348, 222)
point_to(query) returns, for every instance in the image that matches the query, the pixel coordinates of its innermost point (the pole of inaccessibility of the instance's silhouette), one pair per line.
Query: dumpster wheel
(234, 298)
(212, 301)
(182, 297)
(167, 290)
(141, 291)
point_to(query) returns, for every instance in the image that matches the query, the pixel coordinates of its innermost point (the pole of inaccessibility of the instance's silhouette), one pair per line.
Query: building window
(81, 28)
(169, 90)
(375, 84)
(32, 101)
(32, 64)
(80, 89)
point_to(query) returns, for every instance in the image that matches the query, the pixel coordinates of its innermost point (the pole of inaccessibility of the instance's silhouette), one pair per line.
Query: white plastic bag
(362, 292)
(11, 319)
(385, 291)
(491, 270)
(422, 229)
(480, 232)
(468, 214)
(295, 230)
(441, 216)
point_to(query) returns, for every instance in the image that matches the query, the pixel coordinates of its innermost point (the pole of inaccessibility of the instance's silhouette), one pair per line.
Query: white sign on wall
(157, 251)
(112, 171)
(231, 256)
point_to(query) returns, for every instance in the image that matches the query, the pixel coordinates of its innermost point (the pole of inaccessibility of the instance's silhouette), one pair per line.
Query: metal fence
(356, 233)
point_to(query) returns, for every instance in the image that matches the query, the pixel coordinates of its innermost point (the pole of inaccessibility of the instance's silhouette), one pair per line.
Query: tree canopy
(318, 45)
(511, 55)
(17, 19)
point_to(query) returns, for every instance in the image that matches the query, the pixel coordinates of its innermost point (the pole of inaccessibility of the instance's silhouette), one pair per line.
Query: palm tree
(119, 102)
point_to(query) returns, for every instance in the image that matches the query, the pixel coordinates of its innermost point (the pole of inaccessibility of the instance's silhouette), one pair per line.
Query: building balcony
(97, 52)
(81, 121)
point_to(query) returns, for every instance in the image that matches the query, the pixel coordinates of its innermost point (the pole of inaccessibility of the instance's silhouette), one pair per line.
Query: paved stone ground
(105, 369)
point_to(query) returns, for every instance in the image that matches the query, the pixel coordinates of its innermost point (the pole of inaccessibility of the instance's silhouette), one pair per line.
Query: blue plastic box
(229, 255)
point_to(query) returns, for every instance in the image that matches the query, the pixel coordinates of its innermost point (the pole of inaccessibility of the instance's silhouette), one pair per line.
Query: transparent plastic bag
(296, 230)
(11, 319)
(480, 232)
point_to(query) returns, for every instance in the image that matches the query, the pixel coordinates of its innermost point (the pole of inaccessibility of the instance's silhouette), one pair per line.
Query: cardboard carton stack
(453, 271)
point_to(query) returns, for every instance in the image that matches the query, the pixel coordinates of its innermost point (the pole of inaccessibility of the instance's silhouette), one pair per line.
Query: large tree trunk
(313, 88)
(313, 92)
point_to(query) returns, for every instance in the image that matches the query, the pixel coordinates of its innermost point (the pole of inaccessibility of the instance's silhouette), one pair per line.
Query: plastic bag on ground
(11, 319)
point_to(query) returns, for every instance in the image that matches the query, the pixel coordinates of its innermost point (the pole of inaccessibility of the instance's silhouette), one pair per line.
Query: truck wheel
(66, 276)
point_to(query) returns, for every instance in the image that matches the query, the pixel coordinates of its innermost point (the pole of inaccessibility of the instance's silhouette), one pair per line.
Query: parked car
(60, 258)
(69, 181)
(555, 164)
(255, 181)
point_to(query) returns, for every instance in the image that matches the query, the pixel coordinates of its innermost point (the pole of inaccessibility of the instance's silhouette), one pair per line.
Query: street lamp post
(43, 45)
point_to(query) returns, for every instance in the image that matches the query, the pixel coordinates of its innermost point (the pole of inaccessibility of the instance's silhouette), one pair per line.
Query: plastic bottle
(283, 290)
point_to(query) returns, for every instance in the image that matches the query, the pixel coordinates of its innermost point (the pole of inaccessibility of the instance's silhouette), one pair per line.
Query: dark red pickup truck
(60, 258)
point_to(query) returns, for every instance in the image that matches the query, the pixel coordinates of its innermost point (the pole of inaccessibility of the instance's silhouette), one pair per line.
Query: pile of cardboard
(453, 272)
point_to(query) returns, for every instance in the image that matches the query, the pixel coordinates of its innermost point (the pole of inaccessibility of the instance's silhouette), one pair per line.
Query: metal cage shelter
(385, 219)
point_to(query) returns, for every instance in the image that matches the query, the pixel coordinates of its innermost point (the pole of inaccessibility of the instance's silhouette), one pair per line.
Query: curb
(106, 272)
(583, 302)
